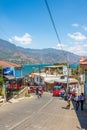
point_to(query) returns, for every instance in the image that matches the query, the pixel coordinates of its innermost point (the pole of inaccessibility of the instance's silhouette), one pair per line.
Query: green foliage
(1, 77)
(0, 70)
(27, 94)
(0, 92)
(1, 81)
(60, 64)
(15, 92)
(80, 70)
(33, 71)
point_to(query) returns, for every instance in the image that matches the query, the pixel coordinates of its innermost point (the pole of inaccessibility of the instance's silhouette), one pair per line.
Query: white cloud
(10, 40)
(81, 26)
(59, 46)
(75, 25)
(25, 39)
(85, 45)
(78, 48)
(77, 44)
(84, 27)
(77, 36)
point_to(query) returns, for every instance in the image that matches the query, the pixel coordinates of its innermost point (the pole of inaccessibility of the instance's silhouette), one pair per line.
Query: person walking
(77, 100)
(68, 101)
(82, 99)
(37, 89)
(39, 93)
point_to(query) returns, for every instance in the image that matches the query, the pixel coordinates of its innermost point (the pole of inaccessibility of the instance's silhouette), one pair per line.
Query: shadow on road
(65, 108)
(82, 116)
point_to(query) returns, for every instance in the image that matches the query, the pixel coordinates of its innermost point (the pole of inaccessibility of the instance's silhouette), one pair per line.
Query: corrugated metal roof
(8, 64)
(54, 66)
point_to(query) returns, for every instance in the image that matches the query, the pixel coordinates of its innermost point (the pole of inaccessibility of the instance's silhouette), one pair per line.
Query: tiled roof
(83, 63)
(8, 64)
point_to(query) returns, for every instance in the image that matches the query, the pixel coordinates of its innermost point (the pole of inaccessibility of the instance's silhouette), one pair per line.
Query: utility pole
(39, 73)
(67, 79)
(4, 93)
(67, 74)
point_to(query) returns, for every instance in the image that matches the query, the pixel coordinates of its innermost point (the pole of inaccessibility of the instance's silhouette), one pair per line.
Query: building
(11, 69)
(83, 64)
(48, 81)
(55, 70)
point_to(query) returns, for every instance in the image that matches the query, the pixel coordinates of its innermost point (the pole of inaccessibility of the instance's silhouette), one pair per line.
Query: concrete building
(56, 70)
(83, 64)
(11, 69)
(48, 81)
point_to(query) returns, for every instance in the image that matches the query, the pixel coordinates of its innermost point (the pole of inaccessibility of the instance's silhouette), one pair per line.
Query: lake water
(27, 69)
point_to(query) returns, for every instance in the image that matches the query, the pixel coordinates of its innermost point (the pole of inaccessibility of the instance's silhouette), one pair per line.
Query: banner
(8, 71)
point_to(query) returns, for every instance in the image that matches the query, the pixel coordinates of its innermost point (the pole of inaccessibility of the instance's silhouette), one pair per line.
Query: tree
(61, 64)
(1, 81)
(2, 88)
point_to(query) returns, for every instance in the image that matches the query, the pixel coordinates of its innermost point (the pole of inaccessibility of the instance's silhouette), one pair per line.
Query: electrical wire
(58, 40)
(53, 23)
(55, 29)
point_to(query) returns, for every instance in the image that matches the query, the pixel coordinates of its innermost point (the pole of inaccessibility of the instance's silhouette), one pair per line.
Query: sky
(27, 23)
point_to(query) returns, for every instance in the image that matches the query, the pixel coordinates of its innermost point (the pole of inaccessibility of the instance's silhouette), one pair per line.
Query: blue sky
(27, 23)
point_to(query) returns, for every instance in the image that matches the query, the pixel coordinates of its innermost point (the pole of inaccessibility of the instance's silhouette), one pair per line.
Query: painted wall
(18, 72)
(10, 71)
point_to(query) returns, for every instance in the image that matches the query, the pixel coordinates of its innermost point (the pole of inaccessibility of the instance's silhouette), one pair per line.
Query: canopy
(57, 87)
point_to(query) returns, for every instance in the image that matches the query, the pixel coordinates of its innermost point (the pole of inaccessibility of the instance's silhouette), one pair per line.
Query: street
(46, 113)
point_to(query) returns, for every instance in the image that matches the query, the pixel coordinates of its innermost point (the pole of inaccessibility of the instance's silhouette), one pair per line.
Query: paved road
(46, 113)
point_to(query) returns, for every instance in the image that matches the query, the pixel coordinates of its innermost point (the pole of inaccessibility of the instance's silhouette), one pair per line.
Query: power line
(53, 23)
(54, 26)
(57, 39)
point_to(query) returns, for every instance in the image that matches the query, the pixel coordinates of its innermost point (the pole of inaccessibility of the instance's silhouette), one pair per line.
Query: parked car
(57, 92)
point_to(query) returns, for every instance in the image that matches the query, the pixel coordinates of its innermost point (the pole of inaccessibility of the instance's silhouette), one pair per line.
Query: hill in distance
(11, 52)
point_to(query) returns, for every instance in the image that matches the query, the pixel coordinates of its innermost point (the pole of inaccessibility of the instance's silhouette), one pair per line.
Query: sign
(74, 66)
(8, 71)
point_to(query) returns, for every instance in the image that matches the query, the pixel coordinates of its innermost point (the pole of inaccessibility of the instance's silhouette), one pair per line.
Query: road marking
(45, 105)
(17, 124)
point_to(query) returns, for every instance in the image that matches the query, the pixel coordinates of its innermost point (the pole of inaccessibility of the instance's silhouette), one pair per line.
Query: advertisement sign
(8, 71)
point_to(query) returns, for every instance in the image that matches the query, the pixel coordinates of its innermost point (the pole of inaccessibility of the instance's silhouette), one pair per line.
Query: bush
(0, 92)
(15, 93)
(27, 94)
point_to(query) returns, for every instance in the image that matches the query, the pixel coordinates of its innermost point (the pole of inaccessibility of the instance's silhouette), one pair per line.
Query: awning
(57, 87)
(9, 77)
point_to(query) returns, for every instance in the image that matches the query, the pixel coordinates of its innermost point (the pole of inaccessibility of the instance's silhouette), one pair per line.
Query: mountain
(11, 52)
